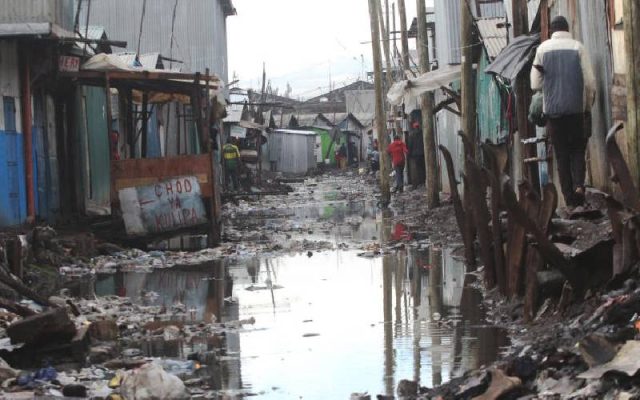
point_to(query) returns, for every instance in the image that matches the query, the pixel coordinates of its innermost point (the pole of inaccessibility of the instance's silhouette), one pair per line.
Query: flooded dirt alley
(328, 318)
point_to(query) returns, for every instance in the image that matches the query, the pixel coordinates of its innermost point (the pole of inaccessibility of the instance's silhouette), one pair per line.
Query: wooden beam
(426, 106)
(631, 15)
(383, 138)
(467, 86)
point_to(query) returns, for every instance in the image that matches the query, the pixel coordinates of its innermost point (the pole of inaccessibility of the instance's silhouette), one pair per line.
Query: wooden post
(27, 128)
(383, 138)
(261, 120)
(523, 98)
(387, 56)
(632, 46)
(145, 124)
(215, 233)
(468, 95)
(426, 106)
(131, 124)
(107, 89)
(404, 37)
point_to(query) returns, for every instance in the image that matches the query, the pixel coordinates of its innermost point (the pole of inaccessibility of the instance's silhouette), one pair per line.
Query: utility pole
(387, 55)
(383, 138)
(523, 95)
(632, 47)
(468, 95)
(404, 37)
(426, 106)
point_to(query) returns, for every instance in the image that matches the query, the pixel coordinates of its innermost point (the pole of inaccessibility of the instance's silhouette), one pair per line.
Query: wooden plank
(547, 208)
(548, 250)
(459, 210)
(533, 206)
(516, 243)
(478, 190)
(498, 250)
(141, 172)
(622, 174)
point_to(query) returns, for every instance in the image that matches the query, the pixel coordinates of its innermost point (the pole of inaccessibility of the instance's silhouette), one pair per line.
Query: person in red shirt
(398, 151)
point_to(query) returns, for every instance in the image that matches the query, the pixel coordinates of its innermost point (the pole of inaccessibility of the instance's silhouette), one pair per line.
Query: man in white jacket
(562, 70)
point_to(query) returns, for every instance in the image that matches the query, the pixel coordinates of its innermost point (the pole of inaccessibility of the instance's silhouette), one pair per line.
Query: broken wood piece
(24, 290)
(496, 230)
(548, 250)
(477, 189)
(16, 308)
(535, 261)
(47, 327)
(459, 210)
(516, 241)
(630, 195)
(500, 384)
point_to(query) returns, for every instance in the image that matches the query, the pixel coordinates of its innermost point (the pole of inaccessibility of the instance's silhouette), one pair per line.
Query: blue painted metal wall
(45, 162)
(13, 203)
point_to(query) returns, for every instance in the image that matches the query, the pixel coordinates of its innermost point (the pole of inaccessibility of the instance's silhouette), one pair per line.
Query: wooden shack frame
(136, 172)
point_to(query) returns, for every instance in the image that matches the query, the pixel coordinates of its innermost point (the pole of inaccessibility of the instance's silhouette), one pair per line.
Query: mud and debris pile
(102, 348)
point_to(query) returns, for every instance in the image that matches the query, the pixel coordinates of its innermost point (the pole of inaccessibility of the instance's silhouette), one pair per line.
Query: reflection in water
(327, 322)
(330, 324)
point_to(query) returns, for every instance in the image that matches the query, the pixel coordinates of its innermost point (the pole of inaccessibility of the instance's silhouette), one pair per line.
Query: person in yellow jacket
(231, 156)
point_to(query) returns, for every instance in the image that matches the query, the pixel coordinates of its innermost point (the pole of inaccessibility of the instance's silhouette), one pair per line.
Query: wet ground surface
(328, 322)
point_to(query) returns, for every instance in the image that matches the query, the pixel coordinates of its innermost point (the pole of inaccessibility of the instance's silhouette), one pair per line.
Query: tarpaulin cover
(515, 57)
(407, 91)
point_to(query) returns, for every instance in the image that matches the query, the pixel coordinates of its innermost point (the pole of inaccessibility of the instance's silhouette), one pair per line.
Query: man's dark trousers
(399, 176)
(569, 141)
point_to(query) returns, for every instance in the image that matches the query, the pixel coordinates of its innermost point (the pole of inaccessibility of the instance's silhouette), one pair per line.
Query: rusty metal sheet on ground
(162, 207)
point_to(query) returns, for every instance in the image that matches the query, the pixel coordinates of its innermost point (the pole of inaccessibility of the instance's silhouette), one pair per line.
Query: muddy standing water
(329, 323)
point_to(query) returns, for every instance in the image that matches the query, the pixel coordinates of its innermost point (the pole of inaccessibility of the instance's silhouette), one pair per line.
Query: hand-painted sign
(68, 64)
(163, 207)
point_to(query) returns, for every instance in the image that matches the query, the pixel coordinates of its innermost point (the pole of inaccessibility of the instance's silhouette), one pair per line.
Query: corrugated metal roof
(493, 32)
(487, 8)
(94, 32)
(148, 61)
(25, 29)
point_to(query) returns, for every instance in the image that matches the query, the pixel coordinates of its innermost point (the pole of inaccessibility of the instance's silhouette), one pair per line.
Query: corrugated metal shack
(58, 12)
(293, 150)
(35, 38)
(194, 32)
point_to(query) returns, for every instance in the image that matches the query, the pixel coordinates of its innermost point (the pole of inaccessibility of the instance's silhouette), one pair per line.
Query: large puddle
(329, 323)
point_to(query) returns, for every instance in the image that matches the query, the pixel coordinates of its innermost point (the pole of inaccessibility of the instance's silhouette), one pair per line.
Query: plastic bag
(536, 110)
(151, 382)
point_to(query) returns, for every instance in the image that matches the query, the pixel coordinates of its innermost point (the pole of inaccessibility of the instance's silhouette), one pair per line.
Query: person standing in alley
(398, 151)
(563, 72)
(231, 155)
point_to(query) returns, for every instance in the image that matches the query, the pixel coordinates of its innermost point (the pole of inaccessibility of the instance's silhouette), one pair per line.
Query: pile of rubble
(96, 348)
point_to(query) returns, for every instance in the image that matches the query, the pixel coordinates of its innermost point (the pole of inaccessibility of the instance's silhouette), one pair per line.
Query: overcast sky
(305, 43)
